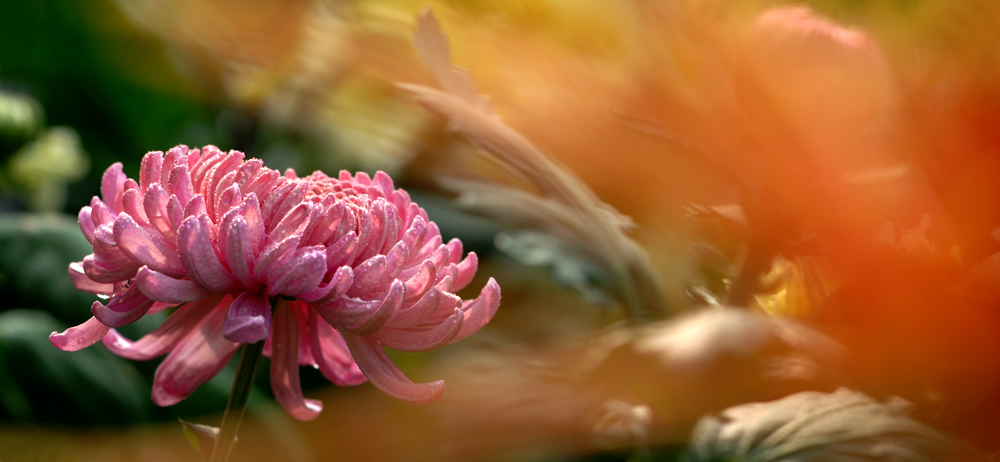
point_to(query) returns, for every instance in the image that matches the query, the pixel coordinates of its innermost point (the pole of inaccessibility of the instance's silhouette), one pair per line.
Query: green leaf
(844, 426)
(36, 251)
(43, 384)
(202, 438)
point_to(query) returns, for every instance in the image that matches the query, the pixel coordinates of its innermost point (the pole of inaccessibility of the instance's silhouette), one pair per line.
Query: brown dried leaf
(435, 51)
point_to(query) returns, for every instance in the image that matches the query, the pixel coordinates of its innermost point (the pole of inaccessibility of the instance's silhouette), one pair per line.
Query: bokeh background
(837, 166)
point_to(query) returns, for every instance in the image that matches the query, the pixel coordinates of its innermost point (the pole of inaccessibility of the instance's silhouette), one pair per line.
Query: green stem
(249, 358)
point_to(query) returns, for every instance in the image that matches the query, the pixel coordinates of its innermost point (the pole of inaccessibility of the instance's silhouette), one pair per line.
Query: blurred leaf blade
(87, 386)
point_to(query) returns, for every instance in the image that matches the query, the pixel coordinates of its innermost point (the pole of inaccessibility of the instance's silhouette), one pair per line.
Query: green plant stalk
(237, 405)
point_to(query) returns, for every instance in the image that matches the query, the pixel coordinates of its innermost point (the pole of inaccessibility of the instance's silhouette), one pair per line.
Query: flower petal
(239, 251)
(466, 271)
(480, 311)
(342, 252)
(380, 370)
(285, 366)
(362, 317)
(332, 290)
(248, 319)
(147, 247)
(331, 354)
(111, 184)
(193, 361)
(275, 256)
(368, 275)
(163, 288)
(423, 339)
(87, 225)
(434, 301)
(155, 205)
(150, 169)
(421, 281)
(132, 204)
(123, 309)
(194, 242)
(165, 337)
(108, 266)
(179, 183)
(295, 222)
(79, 337)
(84, 283)
(303, 273)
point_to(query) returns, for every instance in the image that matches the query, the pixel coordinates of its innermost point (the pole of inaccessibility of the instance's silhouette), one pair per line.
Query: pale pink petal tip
(386, 376)
(480, 311)
(285, 366)
(84, 283)
(79, 337)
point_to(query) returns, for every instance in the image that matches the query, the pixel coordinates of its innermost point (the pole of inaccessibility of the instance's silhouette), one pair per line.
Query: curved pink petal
(328, 222)
(293, 199)
(294, 222)
(79, 337)
(195, 208)
(271, 201)
(171, 158)
(155, 204)
(100, 213)
(247, 172)
(331, 354)
(248, 319)
(395, 260)
(194, 242)
(132, 205)
(211, 157)
(304, 273)
(414, 235)
(150, 169)
(434, 301)
(384, 182)
(342, 252)
(84, 283)
(147, 247)
(466, 271)
(264, 183)
(109, 267)
(239, 251)
(421, 281)
(160, 306)
(480, 311)
(87, 225)
(255, 221)
(195, 359)
(362, 316)
(123, 309)
(111, 184)
(333, 289)
(454, 250)
(179, 183)
(422, 339)
(163, 288)
(175, 213)
(275, 256)
(368, 275)
(285, 366)
(166, 336)
(386, 376)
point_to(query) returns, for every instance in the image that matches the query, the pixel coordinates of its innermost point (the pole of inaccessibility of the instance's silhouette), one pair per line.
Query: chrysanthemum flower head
(326, 270)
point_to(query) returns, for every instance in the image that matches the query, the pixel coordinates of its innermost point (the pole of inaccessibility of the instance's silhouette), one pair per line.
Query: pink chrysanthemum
(350, 263)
